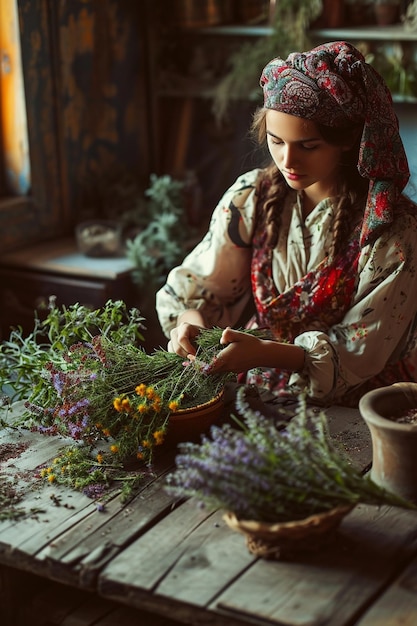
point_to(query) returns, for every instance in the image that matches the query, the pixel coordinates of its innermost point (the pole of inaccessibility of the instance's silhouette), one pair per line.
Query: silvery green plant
(159, 246)
(271, 472)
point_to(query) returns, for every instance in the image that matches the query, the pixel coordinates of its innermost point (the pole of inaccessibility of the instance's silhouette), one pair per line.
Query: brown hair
(352, 187)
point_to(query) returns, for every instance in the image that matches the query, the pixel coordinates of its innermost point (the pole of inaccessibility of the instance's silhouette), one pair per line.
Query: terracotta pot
(189, 424)
(394, 444)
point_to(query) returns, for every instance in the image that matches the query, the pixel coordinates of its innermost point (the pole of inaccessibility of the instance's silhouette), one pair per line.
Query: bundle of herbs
(90, 380)
(119, 393)
(273, 472)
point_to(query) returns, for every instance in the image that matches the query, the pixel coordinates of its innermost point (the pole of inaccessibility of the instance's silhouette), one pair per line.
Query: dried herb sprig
(269, 472)
(95, 474)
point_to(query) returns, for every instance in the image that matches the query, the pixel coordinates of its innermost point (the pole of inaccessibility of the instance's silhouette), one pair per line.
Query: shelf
(396, 32)
(236, 30)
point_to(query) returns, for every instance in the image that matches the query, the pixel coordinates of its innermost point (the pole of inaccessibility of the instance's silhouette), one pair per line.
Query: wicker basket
(280, 540)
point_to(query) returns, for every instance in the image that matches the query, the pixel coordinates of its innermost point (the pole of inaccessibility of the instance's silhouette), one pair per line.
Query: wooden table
(157, 562)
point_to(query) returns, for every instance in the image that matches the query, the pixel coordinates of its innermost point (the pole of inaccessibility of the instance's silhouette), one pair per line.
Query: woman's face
(304, 158)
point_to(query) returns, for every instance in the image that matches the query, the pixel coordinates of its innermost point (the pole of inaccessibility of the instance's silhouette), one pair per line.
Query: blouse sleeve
(376, 329)
(215, 276)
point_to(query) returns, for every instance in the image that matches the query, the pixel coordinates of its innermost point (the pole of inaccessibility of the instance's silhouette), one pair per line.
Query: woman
(323, 240)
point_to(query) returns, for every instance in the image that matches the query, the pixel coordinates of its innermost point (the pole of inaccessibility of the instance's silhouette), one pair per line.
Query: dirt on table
(11, 450)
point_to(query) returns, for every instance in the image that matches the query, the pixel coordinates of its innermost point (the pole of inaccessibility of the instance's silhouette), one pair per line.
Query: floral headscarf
(333, 85)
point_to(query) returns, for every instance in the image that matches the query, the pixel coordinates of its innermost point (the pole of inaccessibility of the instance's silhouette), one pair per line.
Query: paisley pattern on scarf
(333, 85)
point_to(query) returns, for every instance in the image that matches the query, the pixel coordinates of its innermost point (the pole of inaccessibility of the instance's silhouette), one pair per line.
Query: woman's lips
(293, 176)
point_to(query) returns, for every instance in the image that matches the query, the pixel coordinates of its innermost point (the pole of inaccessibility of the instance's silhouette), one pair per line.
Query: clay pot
(394, 444)
(189, 424)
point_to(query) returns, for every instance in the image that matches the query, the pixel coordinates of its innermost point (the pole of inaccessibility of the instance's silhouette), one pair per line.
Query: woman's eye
(309, 146)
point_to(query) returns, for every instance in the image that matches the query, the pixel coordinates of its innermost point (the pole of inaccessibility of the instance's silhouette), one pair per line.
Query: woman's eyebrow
(305, 140)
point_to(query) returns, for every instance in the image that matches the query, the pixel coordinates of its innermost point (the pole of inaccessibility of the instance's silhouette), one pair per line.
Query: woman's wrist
(282, 356)
(191, 316)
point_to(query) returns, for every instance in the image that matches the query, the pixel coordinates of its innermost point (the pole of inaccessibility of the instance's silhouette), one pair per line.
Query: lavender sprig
(272, 472)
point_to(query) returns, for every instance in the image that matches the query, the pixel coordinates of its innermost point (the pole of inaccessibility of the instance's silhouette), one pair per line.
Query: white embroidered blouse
(378, 328)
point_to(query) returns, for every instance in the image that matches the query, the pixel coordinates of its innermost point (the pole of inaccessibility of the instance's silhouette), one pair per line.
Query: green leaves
(23, 359)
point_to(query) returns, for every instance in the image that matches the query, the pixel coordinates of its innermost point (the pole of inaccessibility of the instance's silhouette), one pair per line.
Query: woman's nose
(289, 157)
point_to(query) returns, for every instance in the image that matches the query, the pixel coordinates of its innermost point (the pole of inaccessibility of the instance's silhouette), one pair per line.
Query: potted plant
(391, 416)
(159, 241)
(398, 70)
(284, 485)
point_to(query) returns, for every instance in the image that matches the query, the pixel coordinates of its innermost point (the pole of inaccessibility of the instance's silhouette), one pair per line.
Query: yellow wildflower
(159, 436)
(126, 405)
(146, 443)
(141, 389)
(114, 448)
(150, 393)
(173, 405)
(156, 406)
(99, 458)
(106, 432)
(117, 404)
(43, 472)
(142, 408)
(139, 455)
(51, 478)
(49, 470)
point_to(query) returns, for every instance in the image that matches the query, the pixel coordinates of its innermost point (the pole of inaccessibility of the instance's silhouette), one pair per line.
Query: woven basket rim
(318, 522)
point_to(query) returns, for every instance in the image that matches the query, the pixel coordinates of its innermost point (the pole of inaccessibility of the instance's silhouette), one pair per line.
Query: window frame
(42, 213)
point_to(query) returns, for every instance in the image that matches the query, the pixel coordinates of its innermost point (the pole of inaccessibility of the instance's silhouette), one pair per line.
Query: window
(15, 176)
(85, 76)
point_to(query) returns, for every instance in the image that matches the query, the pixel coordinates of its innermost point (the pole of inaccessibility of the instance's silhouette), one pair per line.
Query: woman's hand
(182, 339)
(244, 352)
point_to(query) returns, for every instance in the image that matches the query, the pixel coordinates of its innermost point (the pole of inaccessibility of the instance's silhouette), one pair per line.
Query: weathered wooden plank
(398, 605)
(149, 558)
(333, 586)
(178, 566)
(77, 556)
(22, 540)
(348, 428)
(213, 557)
